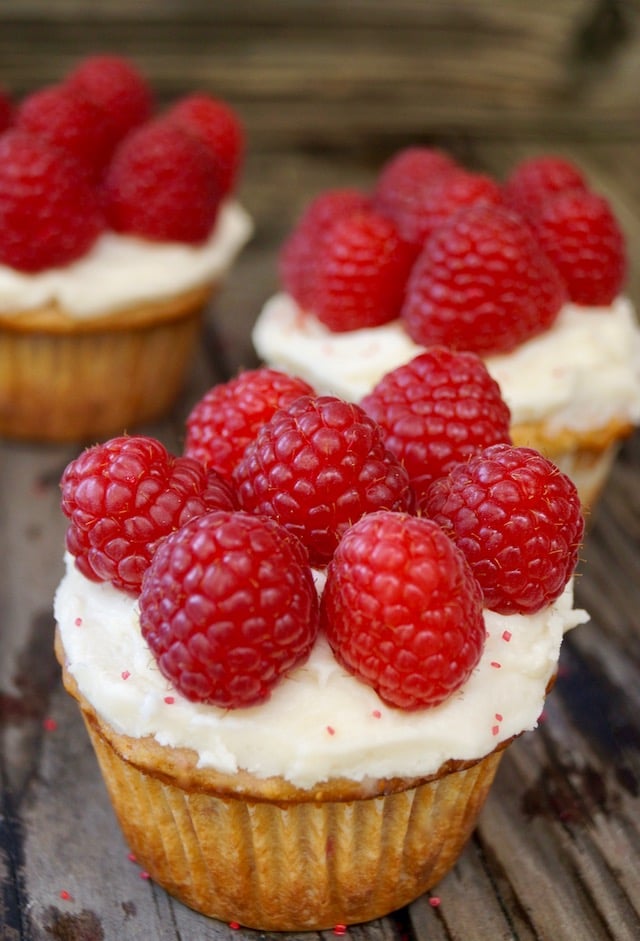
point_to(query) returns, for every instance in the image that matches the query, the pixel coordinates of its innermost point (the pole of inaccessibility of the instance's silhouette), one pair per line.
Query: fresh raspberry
(228, 416)
(482, 283)
(299, 252)
(219, 128)
(532, 181)
(517, 519)
(228, 606)
(404, 179)
(122, 497)
(402, 610)
(317, 466)
(6, 111)
(582, 237)
(66, 119)
(49, 213)
(114, 85)
(161, 185)
(436, 203)
(360, 273)
(436, 410)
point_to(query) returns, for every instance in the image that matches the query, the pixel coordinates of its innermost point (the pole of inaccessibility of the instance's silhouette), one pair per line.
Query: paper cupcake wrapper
(293, 866)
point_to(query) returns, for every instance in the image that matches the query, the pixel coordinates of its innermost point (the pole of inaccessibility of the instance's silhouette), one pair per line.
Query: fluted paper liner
(63, 379)
(271, 856)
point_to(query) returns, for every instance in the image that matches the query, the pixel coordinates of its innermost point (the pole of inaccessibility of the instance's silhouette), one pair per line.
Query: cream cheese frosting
(581, 374)
(320, 722)
(123, 270)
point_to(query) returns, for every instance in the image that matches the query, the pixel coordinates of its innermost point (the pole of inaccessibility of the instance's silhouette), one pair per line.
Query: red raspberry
(6, 111)
(402, 610)
(437, 410)
(122, 497)
(227, 418)
(360, 273)
(402, 183)
(219, 128)
(482, 283)
(162, 185)
(317, 466)
(49, 213)
(299, 252)
(228, 606)
(533, 180)
(66, 119)
(114, 85)
(448, 193)
(580, 234)
(517, 519)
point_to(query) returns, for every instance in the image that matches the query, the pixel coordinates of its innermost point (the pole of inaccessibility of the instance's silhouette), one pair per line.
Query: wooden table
(328, 90)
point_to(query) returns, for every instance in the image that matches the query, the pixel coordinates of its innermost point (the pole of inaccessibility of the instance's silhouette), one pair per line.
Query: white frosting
(319, 722)
(122, 270)
(579, 375)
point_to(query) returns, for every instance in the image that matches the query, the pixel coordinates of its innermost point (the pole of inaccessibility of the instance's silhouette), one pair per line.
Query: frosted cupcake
(116, 229)
(549, 319)
(246, 708)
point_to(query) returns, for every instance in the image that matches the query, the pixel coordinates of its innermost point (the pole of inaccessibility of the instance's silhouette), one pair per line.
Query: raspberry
(517, 519)
(228, 606)
(533, 180)
(218, 127)
(298, 254)
(402, 610)
(317, 466)
(161, 184)
(114, 85)
(6, 111)
(580, 234)
(360, 273)
(400, 189)
(482, 284)
(122, 497)
(435, 201)
(49, 213)
(227, 418)
(66, 119)
(436, 410)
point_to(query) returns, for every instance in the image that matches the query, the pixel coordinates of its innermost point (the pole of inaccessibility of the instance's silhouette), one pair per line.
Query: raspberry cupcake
(304, 656)
(117, 226)
(529, 275)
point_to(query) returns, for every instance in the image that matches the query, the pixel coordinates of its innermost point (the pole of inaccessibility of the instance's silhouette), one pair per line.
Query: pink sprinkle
(434, 901)
(78, 622)
(169, 700)
(331, 730)
(132, 857)
(49, 725)
(125, 674)
(66, 896)
(542, 717)
(340, 930)
(499, 716)
(494, 663)
(495, 729)
(144, 874)
(376, 714)
(234, 924)
(507, 635)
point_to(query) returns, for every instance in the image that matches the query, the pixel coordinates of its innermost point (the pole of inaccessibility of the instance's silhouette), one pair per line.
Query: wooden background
(327, 90)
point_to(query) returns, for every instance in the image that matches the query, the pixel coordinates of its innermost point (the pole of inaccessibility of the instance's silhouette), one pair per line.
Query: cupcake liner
(65, 381)
(280, 864)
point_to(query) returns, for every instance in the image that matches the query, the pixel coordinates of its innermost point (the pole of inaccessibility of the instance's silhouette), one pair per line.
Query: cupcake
(260, 689)
(529, 275)
(117, 225)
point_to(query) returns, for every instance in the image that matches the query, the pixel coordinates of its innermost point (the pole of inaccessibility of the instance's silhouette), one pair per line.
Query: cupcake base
(66, 380)
(274, 857)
